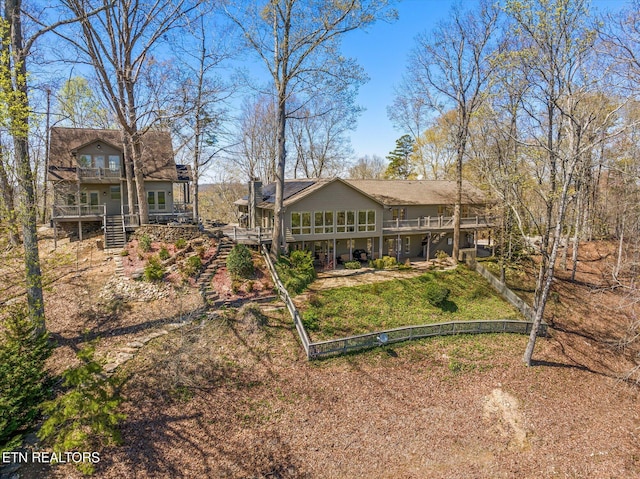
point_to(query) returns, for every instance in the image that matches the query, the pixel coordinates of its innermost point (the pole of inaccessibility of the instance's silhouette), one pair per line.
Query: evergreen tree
(399, 167)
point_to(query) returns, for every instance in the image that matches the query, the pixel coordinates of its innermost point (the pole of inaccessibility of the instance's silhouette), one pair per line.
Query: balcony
(103, 175)
(435, 223)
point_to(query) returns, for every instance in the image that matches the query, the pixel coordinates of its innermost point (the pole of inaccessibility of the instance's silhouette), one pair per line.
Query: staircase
(210, 296)
(114, 235)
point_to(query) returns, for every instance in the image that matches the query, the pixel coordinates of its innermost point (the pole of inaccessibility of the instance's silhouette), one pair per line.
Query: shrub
(235, 286)
(310, 321)
(84, 418)
(239, 262)
(386, 262)
(352, 265)
(153, 271)
(181, 243)
(163, 253)
(200, 251)
(441, 255)
(192, 265)
(296, 271)
(249, 286)
(22, 376)
(436, 294)
(145, 243)
(124, 252)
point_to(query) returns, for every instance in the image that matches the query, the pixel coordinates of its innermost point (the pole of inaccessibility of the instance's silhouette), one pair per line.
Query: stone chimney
(255, 197)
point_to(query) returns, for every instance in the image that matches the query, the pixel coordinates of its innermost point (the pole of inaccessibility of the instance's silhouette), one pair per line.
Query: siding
(335, 196)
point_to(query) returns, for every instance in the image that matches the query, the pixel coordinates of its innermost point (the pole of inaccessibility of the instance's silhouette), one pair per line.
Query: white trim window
(345, 221)
(300, 222)
(323, 222)
(157, 200)
(366, 220)
(407, 245)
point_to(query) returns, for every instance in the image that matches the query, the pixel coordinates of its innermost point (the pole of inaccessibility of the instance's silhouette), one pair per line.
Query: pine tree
(399, 167)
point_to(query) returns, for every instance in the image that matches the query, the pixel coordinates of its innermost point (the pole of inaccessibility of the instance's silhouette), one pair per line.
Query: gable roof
(419, 192)
(157, 152)
(385, 192)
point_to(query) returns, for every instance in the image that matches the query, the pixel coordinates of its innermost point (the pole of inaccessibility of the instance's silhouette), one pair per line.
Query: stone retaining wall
(168, 233)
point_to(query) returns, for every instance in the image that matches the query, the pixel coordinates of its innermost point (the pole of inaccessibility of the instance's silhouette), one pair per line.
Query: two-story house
(400, 218)
(89, 181)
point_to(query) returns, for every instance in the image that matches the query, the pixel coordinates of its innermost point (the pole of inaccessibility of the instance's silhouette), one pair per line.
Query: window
(399, 213)
(323, 222)
(346, 221)
(115, 192)
(157, 200)
(84, 161)
(445, 210)
(407, 245)
(301, 223)
(71, 199)
(98, 161)
(162, 202)
(366, 220)
(114, 162)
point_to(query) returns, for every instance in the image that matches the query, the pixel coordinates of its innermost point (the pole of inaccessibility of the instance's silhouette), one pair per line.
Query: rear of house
(340, 220)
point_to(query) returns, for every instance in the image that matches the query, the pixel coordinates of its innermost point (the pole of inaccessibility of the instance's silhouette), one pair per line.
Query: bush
(181, 243)
(153, 271)
(436, 294)
(249, 287)
(163, 253)
(386, 262)
(441, 255)
(22, 376)
(296, 271)
(85, 417)
(124, 252)
(145, 243)
(192, 266)
(352, 265)
(239, 262)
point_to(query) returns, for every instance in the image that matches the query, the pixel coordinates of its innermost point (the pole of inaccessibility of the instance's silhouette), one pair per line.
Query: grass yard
(402, 302)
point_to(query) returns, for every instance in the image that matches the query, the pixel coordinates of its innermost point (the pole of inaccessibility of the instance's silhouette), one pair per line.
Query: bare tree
(298, 42)
(368, 168)
(119, 43)
(449, 70)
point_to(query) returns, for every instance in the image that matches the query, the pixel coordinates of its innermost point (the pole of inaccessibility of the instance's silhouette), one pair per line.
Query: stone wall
(168, 233)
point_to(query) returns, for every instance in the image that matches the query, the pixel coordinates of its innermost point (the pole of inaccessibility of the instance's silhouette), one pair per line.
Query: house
(400, 218)
(88, 174)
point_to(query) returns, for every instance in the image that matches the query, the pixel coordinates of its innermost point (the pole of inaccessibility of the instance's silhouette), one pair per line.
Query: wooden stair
(114, 234)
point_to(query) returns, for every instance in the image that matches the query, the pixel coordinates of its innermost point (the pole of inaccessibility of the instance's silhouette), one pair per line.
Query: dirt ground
(232, 398)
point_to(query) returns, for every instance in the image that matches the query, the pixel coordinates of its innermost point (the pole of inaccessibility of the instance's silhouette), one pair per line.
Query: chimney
(255, 197)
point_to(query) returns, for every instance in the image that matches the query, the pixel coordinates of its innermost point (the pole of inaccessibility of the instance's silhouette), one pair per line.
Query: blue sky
(382, 51)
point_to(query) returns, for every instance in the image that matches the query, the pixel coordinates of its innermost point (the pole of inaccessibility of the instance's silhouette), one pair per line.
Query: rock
(109, 368)
(135, 344)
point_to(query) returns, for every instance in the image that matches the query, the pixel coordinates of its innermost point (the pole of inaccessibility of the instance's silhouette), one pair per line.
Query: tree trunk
(277, 239)
(18, 129)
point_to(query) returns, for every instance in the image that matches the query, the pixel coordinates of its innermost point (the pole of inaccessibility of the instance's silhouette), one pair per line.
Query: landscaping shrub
(22, 376)
(352, 265)
(296, 271)
(310, 321)
(441, 255)
(181, 243)
(249, 286)
(386, 262)
(145, 243)
(239, 262)
(192, 266)
(163, 253)
(85, 417)
(153, 271)
(436, 294)
(124, 252)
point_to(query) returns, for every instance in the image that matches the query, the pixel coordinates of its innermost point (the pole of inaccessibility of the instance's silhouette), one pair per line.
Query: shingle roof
(418, 192)
(387, 192)
(157, 152)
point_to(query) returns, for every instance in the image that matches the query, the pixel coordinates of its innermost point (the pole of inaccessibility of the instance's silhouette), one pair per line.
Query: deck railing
(77, 210)
(250, 235)
(99, 173)
(437, 222)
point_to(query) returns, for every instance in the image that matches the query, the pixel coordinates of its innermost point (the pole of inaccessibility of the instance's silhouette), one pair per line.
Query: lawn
(347, 311)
